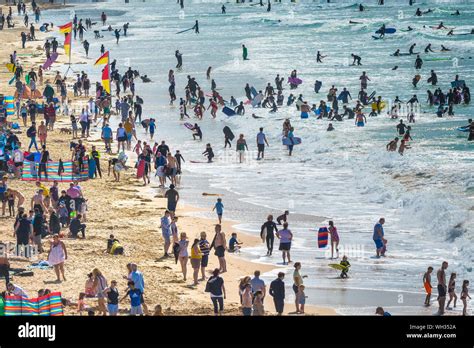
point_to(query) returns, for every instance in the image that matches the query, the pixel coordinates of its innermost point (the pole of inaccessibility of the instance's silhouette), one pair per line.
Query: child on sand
(258, 309)
(219, 208)
(301, 298)
(81, 306)
(234, 244)
(135, 299)
(464, 296)
(345, 263)
(427, 285)
(158, 311)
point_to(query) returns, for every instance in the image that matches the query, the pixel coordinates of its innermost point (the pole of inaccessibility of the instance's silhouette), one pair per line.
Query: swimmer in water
(319, 56)
(360, 119)
(444, 49)
(402, 147)
(330, 127)
(450, 32)
(412, 47)
(455, 13)
(361, 8)
(392, 146)
(397, 53)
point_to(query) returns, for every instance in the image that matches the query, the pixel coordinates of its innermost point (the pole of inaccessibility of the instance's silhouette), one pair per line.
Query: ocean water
(426, 196)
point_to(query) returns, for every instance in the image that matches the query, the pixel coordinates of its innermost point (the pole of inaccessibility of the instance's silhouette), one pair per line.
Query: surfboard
(92, 167)
(318, 110)
(189, 125)
(257, 100)
(463, 129)
(292, 141)
(228, 111)
(228, 133)
(253, 91)
(402, 54)
(436, 59)
(337, 266)
(387, 31)
(50, 60)
(458, 83)
(376, 37)
(371, 95)
(141, 169)
(295, 81)
(198, 162)
(323, 235)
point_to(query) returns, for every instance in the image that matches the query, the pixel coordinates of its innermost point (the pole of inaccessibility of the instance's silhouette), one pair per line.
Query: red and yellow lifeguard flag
(103, 59)
(106, 79)
(66, 28)
(67, 44)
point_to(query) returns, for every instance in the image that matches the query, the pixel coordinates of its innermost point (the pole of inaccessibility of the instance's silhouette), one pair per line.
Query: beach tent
(49, 305)
(27, 94)
(30, 172)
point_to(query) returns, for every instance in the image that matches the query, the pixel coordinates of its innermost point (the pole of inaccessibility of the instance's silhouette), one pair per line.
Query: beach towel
(322, 237)
(49, 305)
(30, 171)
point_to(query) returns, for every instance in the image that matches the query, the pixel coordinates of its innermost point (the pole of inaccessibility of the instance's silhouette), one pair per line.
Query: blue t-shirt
(152, 126)
(219, 208)
(107, 132)
(165, 226)
(135, 295)
(232, 243)
(377, 227)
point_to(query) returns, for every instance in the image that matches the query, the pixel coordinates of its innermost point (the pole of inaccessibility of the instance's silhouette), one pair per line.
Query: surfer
(401, 127)
(444, 49)
(86, 47)
(267, 233)
(248, 92)
(209, 153)
(348, 112)
(356, 58)
(450, 33)
(330, 127)
(261, 141)
(418, 12)
(418, 62)
(290, 136)
(381, 31)
(240, 109)
(456, 13)
(223, 9)
(428, 48)
(471, 132)
(397, 53)
(179, 58)
(117, 34)
(245, 52)
(392, 146)
(412, 47)
(196, 27)
(319, 56)
(361, 8)
(197, 132)
(409, 28)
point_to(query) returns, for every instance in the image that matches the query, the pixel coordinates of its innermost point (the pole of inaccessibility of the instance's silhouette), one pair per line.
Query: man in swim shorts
(378, 238)
(441, 275)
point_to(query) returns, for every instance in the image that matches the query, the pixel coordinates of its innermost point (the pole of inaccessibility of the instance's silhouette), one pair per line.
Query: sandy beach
(128, 210)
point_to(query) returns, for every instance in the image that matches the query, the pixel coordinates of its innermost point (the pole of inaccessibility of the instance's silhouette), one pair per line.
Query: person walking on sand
(442, 288)
(196, 256)
(219, 208)
(379, 239)
(99, 285)
(285, 236)
(166, 231)
(173, 197)
(183, 254)
(267, 235)
(277, 291)
(297, 283)
(56, 257)
(258, 285)
(205, 249)
(427, 285)
(247, 300)
(220, 247)
(215, 286)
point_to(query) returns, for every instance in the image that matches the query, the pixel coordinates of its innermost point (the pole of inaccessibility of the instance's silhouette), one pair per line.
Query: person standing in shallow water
(285, 236)
(267, 235)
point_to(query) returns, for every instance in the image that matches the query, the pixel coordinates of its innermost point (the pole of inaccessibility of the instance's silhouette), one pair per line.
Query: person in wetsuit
(401, 127)
(179, 58)
(412, 47)
(319, 56)
(196, 27)
(283, 217)
(267, 233)
(356, 59)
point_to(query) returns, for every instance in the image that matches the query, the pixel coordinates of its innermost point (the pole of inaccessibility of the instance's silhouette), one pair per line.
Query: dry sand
(128, 210)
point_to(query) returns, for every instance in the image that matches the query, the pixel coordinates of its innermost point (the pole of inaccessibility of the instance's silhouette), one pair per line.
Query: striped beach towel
(9, 102)
(30, 172)
(323, 237)
(49, 305)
